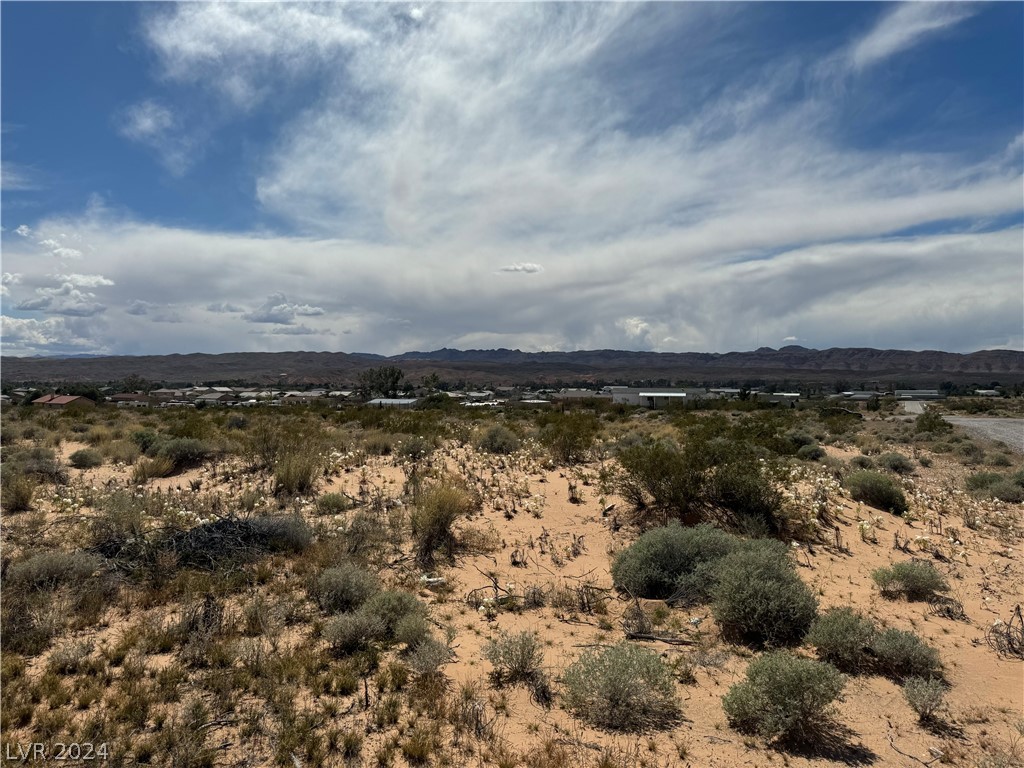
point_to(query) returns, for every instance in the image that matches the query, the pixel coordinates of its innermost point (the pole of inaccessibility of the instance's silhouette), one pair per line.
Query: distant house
(778, 398)
(394, 402)
(988, 393)
(63, 401)
(5, 400)
(654, 397)
(918, 394)
(130, 400)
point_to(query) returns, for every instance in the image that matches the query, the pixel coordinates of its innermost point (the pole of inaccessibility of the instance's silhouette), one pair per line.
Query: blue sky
(388, 177)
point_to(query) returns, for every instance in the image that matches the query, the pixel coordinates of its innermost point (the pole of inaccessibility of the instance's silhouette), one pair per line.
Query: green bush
(333, 504)
(412, 631)
(925, 696)
(657, 473)
(760, 599)
(17, 491)
(744, 489)
(784, 698)
(877, 490)
(414, 448)
(436, 510)
(843, 638)
(913, 579)
(515, 658)
(86, 458)
(812, 452)
(1008, 491)
(351, 633)
(896, 462)
(862, 462)
(622, 688)
(663, 561)
(184, 452)
(41, 464)
(49, 570)
(500, 440)
(900, 655)
(931, 421)
(344, 588)
(569, 437)
(391, 606)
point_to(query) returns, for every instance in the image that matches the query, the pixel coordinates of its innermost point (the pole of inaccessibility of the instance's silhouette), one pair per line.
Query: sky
(392, 177)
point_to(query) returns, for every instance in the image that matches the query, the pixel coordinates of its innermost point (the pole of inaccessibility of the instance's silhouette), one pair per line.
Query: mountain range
(856, 366)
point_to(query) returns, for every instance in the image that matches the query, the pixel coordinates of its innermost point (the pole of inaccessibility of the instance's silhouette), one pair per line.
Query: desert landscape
(593, 586)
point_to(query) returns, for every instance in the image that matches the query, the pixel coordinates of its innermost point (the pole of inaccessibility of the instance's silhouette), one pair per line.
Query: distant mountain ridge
(512, 366)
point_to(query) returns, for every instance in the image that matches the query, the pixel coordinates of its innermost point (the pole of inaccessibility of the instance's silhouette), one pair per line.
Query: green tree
(383, 381)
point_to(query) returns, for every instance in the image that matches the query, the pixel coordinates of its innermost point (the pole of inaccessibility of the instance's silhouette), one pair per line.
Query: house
(130, 400)
(394, 402)
(918, 394)
(64, 401)
(215, 398)
(654, 397)
(580, 394)
(777, 398)
(5, 400)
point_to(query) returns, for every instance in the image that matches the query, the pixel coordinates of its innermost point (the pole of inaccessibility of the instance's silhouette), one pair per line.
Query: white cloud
(527, 267)
(16, 178)
(138, 308)
(6, 280)
(222, 308)
(23, 230)
(84, 281)
(277, 309)
(908, 24)
(67, 253)
(154, 125)
(28, 336)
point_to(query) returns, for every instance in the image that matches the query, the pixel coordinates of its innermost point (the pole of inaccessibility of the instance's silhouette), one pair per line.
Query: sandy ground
(565, 544)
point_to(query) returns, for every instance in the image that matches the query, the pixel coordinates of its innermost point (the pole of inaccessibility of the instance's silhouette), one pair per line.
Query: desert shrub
(900, 655)
(161, 466)
(896, 462)
(913, 579)
(799, 439)
(784, 698)
(744, 489)
(516, 658)
(760, 599)
(1008, 491)
(436, 510)
(970, 453)
(121, 451)
(184, 452)
(657, 565)
(500, 440)
(391, 606)
(49, 570)
(414, 448)
(924, 695)
(42, 464)
(297, 470)
(232, 540)
(344, 588)
(812, 452)
(656, 473)
(412, 630)
(351, 633)
(332, 504)
(931, 421)
(862, 462)
(86, 458)
(622, 688)
(428, 657)
(17, 491)
(843, 638)
(569, 437)
(378, 444)
(877, 490)
(145, 439)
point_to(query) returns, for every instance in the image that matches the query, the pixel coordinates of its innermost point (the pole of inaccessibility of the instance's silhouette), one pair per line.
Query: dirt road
(1009, 431)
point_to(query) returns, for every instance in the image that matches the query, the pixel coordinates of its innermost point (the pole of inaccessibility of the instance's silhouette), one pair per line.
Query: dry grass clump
(344, 588)
(437, 508)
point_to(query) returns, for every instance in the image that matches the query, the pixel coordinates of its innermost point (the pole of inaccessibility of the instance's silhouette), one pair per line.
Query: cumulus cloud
(294, 330)
(6, 280)
(23, 230)
(138, 308)
(224, 308)
(28, 336)
(527, 267)
(277, 309)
